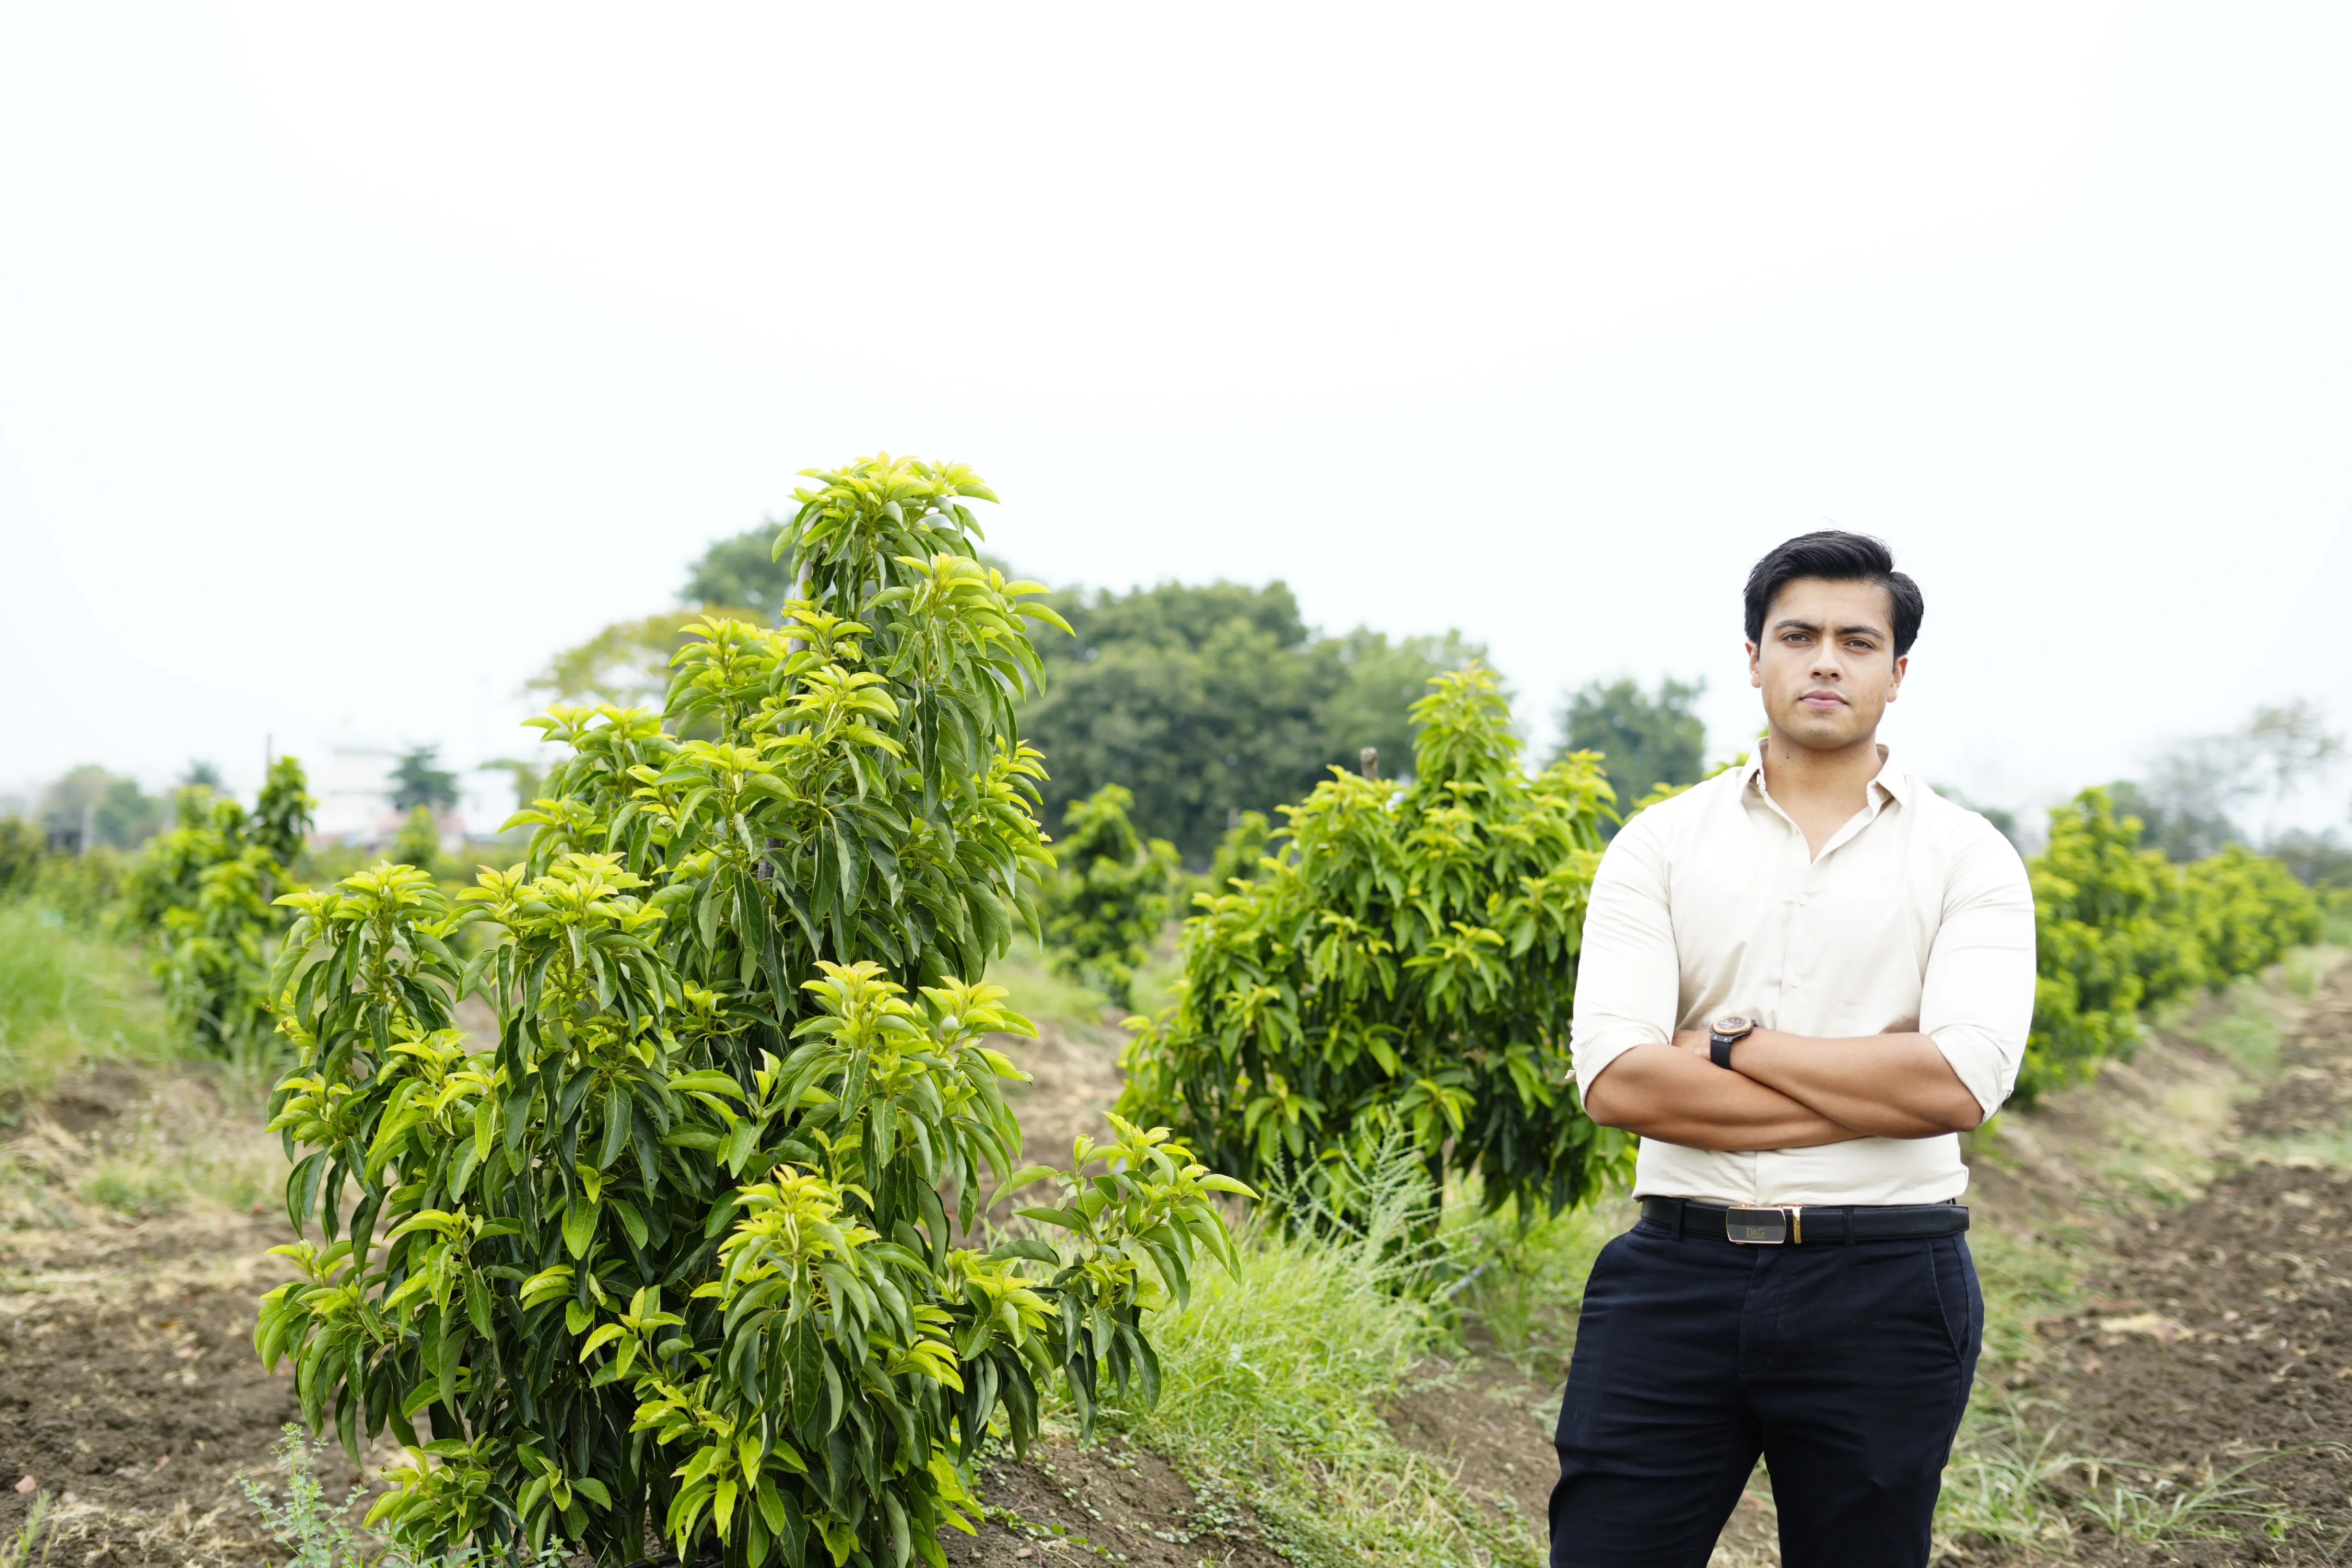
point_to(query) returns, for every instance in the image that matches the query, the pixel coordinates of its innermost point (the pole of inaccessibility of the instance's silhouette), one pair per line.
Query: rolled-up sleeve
(1976, 1001)
(1628, 983)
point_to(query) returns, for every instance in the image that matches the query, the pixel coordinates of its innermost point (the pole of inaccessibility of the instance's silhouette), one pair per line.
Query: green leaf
(579, 1227)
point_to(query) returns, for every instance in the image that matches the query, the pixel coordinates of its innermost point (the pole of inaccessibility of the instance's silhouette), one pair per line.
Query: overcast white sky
(352, 360)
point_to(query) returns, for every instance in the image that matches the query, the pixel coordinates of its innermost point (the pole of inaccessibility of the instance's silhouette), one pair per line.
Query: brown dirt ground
(2222, 1331)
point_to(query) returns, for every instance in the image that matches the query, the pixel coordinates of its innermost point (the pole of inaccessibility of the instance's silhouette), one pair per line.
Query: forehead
(1832, 602)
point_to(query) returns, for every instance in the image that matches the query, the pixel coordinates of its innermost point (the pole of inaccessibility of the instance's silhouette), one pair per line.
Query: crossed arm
(1784, 1091)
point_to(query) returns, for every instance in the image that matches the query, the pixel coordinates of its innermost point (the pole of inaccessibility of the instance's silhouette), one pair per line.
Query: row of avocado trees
(681, 1252)
(1406, 967)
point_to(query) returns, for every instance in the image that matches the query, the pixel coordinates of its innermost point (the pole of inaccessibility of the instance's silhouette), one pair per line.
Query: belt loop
(1681, 1205)
(1849, 1224)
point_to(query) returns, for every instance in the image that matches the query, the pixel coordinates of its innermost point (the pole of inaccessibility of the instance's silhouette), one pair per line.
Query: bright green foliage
(2119, 928)
(1408, 963)
(1241, 852)
(416, 782)
(1110, 894)
(2101, 936)
(203, 892)
(679, 1251)
(23, 847)
(2246, 911)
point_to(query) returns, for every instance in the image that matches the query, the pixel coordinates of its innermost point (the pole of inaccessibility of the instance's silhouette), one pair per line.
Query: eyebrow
(1864, 629)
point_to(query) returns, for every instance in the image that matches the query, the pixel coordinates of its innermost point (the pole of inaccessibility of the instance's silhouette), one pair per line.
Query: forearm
(1659, 1091)
(1889, 1086)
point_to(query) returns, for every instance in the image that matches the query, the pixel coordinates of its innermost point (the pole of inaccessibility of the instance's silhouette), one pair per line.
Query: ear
(1755, 666)
(1895, 681)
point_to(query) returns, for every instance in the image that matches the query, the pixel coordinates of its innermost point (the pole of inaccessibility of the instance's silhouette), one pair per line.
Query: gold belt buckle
(1751, 1225)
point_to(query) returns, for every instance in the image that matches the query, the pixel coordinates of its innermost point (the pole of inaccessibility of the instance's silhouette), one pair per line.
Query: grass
(67, 997)
(1045, 997)
(2247, 1031)
(1041, 994)
(1525, 1284)
(1272, 1379)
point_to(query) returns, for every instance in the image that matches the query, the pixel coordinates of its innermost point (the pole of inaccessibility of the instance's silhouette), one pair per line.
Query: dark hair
(1841, 557)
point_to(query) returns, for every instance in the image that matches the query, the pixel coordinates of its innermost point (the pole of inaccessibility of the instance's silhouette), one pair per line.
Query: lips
(1822, 699)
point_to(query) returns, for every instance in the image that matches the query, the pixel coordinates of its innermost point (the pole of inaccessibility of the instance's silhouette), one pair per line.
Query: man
(1801, 981)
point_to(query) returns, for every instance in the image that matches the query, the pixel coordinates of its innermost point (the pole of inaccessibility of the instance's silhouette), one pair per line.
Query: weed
(2218, 1508)
(18, 1553)
(2005, 1482)
(321, 1535)
(2024, 1278)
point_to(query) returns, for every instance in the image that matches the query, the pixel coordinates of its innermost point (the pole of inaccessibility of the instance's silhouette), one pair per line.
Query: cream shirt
(1916, 915)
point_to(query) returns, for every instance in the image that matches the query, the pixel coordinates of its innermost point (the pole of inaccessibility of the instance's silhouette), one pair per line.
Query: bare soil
(129, 1389)
(2222, 1333)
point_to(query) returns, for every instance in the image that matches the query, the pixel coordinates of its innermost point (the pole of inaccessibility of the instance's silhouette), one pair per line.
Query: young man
(1801, 980)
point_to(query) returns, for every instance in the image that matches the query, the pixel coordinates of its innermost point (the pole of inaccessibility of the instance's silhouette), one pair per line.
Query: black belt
(1805, 1225)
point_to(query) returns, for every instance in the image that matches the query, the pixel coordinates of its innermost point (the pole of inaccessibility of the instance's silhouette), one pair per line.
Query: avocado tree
(2246, 909)
(1404, 967)
(681, 1251)
(1111, 892)
(201, 893)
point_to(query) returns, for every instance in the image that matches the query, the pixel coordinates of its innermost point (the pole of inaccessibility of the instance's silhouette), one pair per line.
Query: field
(2167, 1378)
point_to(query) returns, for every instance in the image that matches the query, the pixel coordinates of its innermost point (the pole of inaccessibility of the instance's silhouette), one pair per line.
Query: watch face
(1733, 1024)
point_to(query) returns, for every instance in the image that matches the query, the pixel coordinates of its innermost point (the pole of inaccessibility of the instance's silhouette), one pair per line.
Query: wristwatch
(1723, 1033)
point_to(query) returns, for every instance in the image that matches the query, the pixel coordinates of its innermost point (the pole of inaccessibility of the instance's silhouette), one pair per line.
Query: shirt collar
(1891, 781)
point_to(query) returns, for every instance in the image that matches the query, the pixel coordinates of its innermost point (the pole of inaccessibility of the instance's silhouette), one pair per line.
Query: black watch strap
(1718, 1048)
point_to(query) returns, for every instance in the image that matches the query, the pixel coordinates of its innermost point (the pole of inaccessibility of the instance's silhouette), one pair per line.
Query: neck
(1793, 771)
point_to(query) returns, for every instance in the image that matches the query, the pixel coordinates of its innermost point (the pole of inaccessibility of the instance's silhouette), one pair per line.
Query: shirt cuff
(1978, 1063)
(1594, 1054)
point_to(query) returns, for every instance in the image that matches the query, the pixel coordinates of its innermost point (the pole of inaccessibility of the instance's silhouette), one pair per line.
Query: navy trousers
(1846, 1367)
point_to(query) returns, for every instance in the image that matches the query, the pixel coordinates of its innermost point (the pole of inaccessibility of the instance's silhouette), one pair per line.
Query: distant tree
(1213, 699)
(2292, 743)
(1374, 706)
(2318, 859)
(88, 807)
(626, 663)
(2180, 813)
(416, 782)
(2189, 798)
(202, 774)
(1644, 740)
(742, 573)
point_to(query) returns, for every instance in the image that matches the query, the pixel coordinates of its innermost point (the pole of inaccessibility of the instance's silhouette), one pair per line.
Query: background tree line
(1204, 702)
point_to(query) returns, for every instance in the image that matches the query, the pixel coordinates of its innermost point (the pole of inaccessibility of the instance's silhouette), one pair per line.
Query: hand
(1691, 1040)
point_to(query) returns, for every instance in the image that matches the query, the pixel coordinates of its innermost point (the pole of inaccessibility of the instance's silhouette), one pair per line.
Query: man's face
(1827, 665)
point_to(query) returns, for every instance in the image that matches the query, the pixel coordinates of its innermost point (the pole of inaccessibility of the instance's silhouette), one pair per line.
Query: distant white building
(355, 790)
